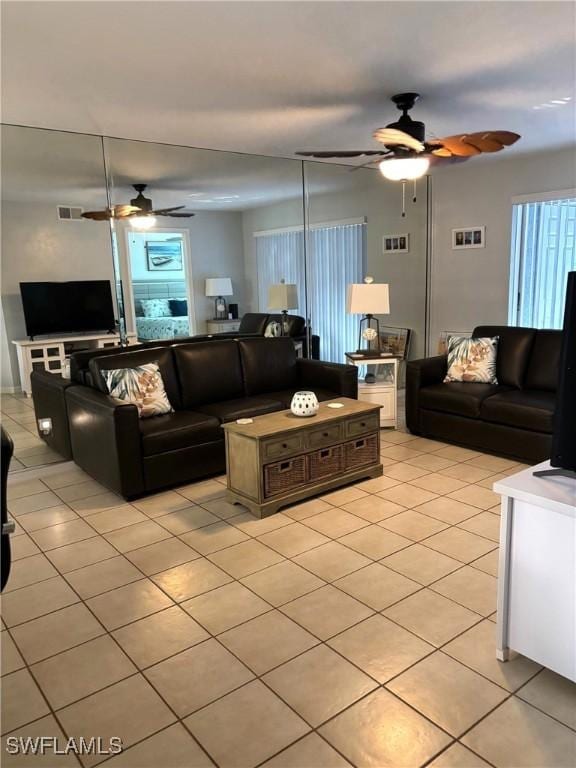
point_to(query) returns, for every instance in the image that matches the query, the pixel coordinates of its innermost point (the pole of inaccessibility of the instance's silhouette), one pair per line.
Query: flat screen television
(563, 456)
(81, 306)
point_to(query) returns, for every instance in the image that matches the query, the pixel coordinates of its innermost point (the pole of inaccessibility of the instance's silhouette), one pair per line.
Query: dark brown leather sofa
(513, 418)
(207, 383)
(48, 389)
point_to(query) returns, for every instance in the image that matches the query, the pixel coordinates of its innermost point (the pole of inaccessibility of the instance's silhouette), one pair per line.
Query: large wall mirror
(175, 264)
(228, 239)
(48, 177)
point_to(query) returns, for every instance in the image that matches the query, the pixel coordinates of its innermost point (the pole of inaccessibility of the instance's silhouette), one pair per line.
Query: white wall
(470, 287)
(36, 246)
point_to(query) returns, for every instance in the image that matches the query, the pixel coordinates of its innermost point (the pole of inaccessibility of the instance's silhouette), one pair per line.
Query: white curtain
(280, 256)
(543, 252)
(335, 259)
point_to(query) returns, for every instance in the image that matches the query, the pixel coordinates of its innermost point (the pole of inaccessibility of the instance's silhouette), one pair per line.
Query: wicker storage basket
(325, 462)
(363, 450)
(285, 475)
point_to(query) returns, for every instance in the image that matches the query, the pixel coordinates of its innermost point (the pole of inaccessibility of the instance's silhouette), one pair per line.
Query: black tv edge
(563, 457)
(59, 308)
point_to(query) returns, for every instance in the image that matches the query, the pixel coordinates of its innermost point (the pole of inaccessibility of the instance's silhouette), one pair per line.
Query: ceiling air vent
(70, 213)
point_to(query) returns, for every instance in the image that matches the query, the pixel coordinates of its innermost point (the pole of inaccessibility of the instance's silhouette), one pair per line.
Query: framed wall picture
(164, 256)
(396, 243)
(468, 237)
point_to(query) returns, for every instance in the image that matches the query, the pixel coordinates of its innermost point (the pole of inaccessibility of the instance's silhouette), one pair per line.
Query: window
(336, 257)
(543, 252)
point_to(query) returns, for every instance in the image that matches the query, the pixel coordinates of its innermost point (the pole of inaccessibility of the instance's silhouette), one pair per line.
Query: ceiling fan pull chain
(403, 199)
(414, 197)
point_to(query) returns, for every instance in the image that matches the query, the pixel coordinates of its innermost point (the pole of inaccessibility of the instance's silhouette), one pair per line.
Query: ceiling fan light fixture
(404, 168)
(142, 222)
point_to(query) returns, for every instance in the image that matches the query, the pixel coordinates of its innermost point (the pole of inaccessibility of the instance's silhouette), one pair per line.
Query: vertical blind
(543, 252)
(336, 257)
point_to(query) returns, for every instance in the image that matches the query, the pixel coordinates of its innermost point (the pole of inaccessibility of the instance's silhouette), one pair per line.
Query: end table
(384, 390)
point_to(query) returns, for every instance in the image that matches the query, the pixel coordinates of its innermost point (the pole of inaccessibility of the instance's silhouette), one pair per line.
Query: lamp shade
(283, 296)
(368, 299)
(218, 286)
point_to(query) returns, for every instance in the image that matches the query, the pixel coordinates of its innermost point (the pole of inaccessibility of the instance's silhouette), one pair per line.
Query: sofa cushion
(243, 408)
(253, 322)
(461, 398)
(135, 358)
(527, 409)
(514, 349)
(268, 364)
(178, 430)
(209, 372)
(544, 365)
(285, 396)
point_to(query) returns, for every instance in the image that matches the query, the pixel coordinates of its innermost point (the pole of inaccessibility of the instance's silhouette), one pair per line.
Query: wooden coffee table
(280, 459)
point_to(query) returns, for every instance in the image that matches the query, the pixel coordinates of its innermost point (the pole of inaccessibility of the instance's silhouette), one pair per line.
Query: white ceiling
(274, 77)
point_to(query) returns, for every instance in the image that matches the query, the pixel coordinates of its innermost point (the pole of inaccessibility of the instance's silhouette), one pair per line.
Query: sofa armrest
(421, 373)
(105, 438)
(337, 378)
(48, 394)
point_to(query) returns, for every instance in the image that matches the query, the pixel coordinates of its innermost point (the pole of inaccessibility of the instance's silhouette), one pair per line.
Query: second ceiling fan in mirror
(138, 210)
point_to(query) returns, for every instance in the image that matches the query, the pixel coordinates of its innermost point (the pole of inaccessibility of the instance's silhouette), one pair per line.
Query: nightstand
(222, 326)
(384, 390)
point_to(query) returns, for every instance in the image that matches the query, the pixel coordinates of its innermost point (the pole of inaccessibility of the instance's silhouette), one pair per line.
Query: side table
(384, 390)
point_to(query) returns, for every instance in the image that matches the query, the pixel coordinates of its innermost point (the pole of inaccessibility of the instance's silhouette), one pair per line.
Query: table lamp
(283, 296)
(217, 288)
(368, 299)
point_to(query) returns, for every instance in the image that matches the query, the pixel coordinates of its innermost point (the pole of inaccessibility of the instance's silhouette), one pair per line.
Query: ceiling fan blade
(162, 211)
(121, 211)
(393, 137)
(441, 160)
(344, 153)
(175, 215)
(504, 137)
(457, 145)
(98, 215)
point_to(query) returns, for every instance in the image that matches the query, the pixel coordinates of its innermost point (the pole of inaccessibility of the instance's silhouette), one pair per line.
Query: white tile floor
(353, 629)
(18, 418)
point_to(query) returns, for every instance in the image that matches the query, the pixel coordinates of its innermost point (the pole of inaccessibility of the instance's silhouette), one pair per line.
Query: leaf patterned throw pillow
(472, 359)
(142, 386)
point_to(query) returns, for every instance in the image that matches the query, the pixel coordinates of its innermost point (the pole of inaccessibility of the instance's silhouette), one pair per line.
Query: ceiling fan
(406, 154)
(140, 211)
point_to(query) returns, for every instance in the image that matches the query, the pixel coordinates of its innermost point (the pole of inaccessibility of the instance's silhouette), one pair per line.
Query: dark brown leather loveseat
(513, 418)
(207, 383)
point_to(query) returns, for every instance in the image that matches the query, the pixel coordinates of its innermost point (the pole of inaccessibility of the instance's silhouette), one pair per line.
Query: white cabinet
(52, 354)
(222, 326)
(383, 390)
(537, 570)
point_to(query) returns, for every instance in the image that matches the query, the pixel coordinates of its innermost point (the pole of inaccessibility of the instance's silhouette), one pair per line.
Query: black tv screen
(76, 307)
(564, 440)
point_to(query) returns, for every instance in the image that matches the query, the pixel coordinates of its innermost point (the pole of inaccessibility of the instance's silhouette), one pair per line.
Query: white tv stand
(51, 353)
(537, 570)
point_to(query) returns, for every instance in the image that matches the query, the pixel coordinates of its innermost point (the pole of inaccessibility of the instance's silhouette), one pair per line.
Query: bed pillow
(178, 307)
(142, 386)
(472, 359)
(155, 307)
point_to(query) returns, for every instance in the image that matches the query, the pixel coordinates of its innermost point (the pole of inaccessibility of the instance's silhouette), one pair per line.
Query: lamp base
(220, 314)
